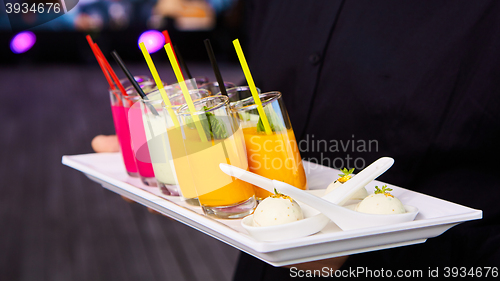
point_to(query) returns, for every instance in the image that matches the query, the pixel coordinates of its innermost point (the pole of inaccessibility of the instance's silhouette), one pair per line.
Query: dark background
(56, 224)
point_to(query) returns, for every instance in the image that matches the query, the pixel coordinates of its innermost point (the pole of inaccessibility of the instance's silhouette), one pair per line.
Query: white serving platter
(435, 215)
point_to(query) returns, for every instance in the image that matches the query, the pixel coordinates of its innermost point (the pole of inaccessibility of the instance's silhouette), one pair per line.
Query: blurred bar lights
(22, 42)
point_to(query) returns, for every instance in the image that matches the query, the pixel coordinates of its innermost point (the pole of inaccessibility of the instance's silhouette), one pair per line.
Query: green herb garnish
(216, 129)
(213, 127)
(346, 172)
(260, 126)
(384, 190)
(274, 122)
(245, 116)
(346, 175)
(281, 195)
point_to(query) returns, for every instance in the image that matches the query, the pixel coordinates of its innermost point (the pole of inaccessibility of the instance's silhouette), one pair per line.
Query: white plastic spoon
(337, 196)
(343, 217)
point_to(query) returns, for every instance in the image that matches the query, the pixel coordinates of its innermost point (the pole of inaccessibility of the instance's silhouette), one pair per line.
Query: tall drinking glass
(121, 125)
(156, 121)
(175, 140)
(211, 135)
(138, 135)
(276, 155)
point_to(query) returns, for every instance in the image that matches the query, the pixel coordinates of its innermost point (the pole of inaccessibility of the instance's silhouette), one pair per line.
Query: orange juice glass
(211, 135)
(275, 156)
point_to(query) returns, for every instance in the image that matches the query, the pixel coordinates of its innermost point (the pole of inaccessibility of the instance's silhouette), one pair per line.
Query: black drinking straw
(130, 77)
(182, 62)
(211, 55)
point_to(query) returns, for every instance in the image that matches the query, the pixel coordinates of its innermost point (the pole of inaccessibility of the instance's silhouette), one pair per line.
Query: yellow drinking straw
(251, 84)
(185, 91)
(159, 84)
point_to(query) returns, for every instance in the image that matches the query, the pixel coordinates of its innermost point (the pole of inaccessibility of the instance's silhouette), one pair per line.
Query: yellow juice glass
(275, 156)
(155, 126)
(211, 135)
(173, 145)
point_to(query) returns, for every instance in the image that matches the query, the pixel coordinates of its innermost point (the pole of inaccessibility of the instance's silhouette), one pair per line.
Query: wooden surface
(56, 224)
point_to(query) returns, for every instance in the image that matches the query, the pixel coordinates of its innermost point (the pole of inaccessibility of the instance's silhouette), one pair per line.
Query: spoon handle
(300, 195)
(247, 176)
(327, 208)
(346, 190)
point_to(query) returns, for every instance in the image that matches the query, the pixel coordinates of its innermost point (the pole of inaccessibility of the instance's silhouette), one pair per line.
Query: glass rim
(180, 93)
(130, 90)
(156, 91)
(134, 97)
(201, 78)
(268, 98)
(216, 83)
(240, 88)
(176, 106)
(224, 102)
(125, 79)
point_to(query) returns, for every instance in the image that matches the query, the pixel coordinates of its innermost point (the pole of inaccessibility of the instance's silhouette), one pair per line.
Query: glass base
(169, 189)
(236, 211)
(134, 175)
(191, 201)
(149, 181)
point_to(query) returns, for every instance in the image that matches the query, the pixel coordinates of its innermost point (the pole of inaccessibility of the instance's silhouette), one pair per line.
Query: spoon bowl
(313, 222)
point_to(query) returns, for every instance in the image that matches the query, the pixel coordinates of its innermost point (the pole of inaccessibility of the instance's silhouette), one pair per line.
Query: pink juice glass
(123, 134)
(138, 134)
(120, 121)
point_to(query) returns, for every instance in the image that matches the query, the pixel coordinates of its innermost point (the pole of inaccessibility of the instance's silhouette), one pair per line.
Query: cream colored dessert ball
(382, 204)
(275, 211)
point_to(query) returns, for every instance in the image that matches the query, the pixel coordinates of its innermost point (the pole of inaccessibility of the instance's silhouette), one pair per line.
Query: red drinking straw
(101, 58)
(100, 62)
(167, 40)
(111, 71)
(167, 37)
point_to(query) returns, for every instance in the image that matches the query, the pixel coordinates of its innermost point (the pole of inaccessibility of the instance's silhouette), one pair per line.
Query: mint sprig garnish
(260, 126)
(213, 127)
(274, 122)
(216, 129)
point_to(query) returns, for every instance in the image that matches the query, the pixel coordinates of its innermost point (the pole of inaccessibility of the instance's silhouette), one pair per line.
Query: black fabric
(422, 78)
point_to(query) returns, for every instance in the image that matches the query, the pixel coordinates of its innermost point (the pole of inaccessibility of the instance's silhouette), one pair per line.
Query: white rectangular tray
(435, 216)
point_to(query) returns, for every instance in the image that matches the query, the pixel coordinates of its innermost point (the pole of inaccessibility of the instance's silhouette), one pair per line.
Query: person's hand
(102, 143)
